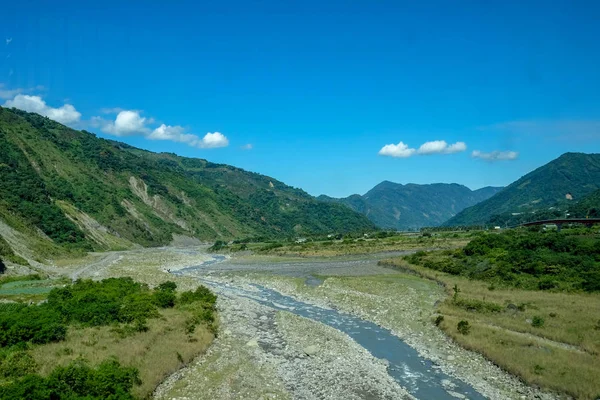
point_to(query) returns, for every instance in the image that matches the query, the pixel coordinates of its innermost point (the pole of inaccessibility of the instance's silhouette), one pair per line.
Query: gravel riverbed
(262, 353)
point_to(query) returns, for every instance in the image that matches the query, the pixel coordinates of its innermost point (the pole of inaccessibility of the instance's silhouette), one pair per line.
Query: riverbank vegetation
(340, 245)
(116, 337)
(531, 301)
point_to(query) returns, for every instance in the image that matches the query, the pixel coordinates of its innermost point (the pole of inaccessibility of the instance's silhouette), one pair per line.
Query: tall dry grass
(563, 354)
(157, 353)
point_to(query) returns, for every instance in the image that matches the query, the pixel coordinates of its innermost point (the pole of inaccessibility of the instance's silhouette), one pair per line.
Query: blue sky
(318, 89)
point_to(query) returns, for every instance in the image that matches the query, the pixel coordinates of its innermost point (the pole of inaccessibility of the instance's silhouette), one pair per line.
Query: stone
(252, 343)
(311, 350)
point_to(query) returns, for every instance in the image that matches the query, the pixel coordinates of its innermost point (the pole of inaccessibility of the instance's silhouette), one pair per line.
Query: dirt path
(89, 270)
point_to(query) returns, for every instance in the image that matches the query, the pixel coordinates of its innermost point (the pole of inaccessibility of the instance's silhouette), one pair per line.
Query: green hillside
(62, 188)
(408, 207)
(565, 180)
(589, 206)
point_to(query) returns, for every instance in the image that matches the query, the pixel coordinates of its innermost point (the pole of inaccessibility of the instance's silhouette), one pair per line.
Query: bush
(202, 293)
(165, 296)
(478, 305)
(76, 381)
(537, 321)
(438, 320)
(17, 364)
(164, 299)
(463, 327)
(218, 245)
(88, 303)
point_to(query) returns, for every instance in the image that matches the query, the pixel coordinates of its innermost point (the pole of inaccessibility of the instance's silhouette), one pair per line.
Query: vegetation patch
(524, 259)
(545, 335)
(85, 331)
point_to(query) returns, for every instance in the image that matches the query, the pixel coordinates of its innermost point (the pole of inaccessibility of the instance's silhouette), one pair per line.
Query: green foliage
(112, 300)
(36, 324)
(480, 306)
(76, 381)
(205, 314)
(588, 207)
(202, 293)
(524, 259)
(438, 320)
(15, 364)
(537, 321)
(165, 296)
(89, 303)
(463, 327)
(218, 245)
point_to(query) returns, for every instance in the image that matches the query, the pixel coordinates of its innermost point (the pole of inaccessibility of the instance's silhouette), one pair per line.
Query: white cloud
(8, 40)
(66, 114)
(496, 155)
(127, 123)
(441, 147)
(9, 93)
(399, 150)
(247, 146)
(177, 134)
(214, 140)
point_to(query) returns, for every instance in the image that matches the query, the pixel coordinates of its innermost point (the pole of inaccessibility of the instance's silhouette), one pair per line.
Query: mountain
(589, 206)
(63, 188)
(567, 179)
(408, 207)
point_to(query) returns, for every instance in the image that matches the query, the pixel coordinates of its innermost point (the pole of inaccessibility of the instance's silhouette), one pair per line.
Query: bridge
(559, 222)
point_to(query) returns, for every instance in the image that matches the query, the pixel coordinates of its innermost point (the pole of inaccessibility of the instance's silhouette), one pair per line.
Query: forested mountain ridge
(408, 207)
(72, 189)
(567, 179)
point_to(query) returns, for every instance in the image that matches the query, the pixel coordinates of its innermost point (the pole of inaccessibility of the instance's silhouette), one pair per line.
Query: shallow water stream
(422, 378)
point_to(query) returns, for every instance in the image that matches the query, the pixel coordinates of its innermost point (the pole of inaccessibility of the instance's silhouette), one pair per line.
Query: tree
(2, 267)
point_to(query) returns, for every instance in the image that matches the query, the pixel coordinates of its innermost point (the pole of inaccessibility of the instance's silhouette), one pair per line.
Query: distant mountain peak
(411, 206)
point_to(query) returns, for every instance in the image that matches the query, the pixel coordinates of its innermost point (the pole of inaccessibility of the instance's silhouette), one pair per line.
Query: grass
(157, 353)
(562, 355)
(330, 248)
(27, 288)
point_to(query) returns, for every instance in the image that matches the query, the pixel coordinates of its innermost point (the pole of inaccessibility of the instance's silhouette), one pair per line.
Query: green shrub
(438, 320)
(17, 364)
(202, 293)
(478, 305)
(218, 245)
(537, 321)
(76, 381)
(88, 303)
(463, 327)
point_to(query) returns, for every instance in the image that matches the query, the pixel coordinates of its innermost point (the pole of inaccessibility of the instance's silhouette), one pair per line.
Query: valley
(260, 351)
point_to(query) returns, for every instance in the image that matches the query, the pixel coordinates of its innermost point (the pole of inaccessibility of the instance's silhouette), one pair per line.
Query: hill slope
(574, 174)
(59, 186)
(406, 207)
(589, 206)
